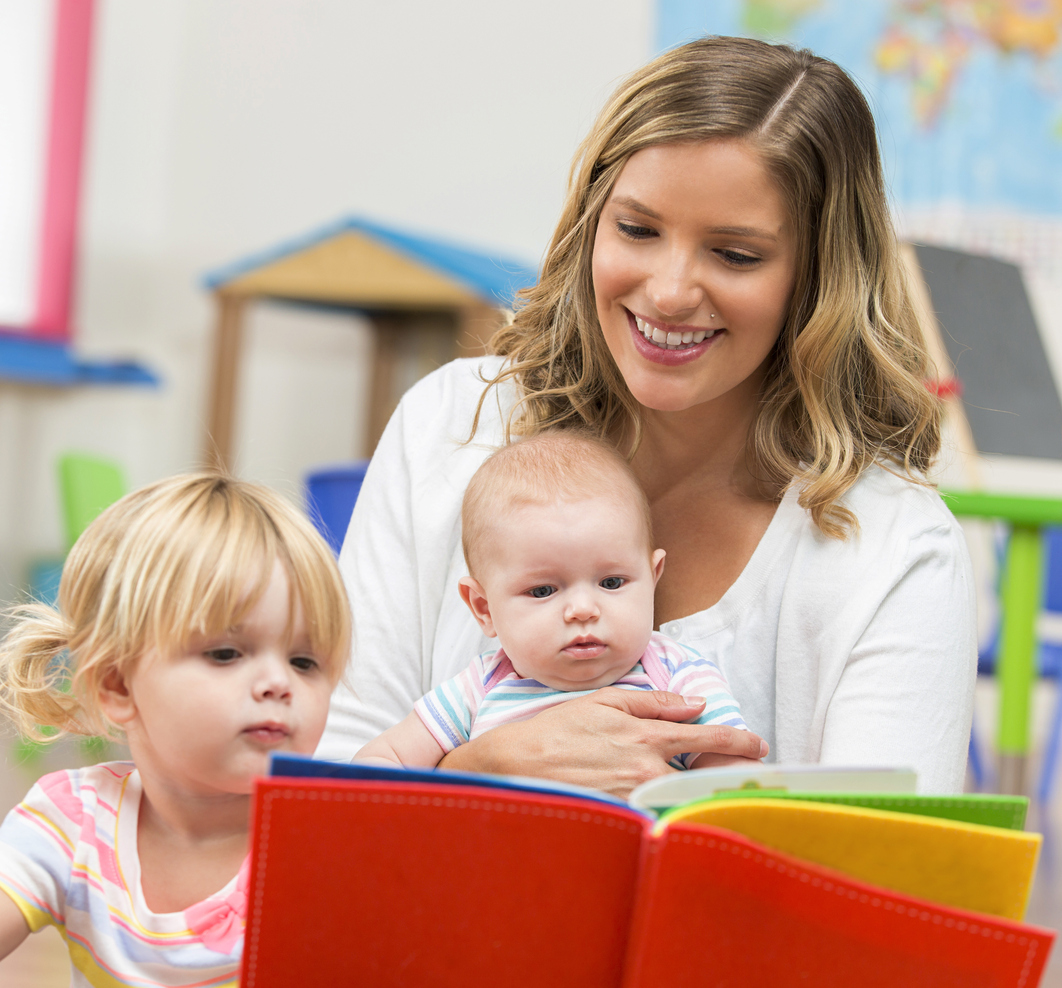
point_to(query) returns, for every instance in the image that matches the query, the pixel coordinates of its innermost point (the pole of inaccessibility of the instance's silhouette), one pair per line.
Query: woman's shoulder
(439, 409)
(455, 387)
(888, 503)
(898, 521)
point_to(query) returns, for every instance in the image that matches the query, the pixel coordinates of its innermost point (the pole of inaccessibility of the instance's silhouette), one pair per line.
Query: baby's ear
(473, 594)
(116, 699)
(656, 561)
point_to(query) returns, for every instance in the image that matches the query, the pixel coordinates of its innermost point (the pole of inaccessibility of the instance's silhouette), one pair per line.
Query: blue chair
(330, 497)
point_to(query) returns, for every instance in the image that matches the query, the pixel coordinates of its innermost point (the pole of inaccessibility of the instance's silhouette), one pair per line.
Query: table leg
(1021, 600)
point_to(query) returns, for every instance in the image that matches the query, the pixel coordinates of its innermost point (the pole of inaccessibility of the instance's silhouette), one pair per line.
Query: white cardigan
(860, 652)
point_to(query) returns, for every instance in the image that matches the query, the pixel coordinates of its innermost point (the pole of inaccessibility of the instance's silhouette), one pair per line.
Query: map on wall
(967, 95)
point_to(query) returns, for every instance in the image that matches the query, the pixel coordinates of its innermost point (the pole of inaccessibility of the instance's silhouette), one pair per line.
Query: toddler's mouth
(268, 732)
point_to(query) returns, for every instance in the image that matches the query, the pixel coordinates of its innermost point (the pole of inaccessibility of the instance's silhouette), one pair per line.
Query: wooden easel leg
(382, 385)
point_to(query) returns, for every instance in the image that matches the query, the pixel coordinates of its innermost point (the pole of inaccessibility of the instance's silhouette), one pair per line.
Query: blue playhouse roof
(491, 275)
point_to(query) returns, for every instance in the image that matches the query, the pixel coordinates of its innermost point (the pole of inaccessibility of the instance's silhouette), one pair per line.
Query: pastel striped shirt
(489, 693)
(68, 857)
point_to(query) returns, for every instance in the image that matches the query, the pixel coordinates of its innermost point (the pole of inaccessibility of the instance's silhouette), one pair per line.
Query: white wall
(219, 127)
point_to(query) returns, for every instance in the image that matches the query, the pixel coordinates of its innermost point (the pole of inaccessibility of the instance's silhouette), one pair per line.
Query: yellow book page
(985, 869)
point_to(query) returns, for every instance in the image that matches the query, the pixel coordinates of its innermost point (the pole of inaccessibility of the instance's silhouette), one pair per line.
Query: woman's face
(694, 264)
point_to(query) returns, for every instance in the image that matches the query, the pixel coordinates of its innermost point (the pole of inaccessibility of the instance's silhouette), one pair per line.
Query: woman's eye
(223, 655)
(738, 259)
(634, 232)
(304, 663)
(542, 591)
(612, 582)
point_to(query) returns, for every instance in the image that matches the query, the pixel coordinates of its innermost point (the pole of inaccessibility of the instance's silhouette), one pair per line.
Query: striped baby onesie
(489, 693)
(68, 856)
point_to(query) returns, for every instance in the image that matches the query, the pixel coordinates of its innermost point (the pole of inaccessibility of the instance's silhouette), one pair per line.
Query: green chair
(87, 485)
(1021, 598)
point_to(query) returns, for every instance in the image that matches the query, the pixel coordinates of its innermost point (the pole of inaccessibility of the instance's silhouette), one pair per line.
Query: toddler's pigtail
(34, 679)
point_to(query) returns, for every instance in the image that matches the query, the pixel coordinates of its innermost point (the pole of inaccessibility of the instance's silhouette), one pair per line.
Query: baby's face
(568, 590)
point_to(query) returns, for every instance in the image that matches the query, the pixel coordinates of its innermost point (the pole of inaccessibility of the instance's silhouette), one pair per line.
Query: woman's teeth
(672, 341)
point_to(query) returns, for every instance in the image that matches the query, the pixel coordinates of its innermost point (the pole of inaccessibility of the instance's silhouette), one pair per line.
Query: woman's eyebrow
(731, 231)
(631, 203)
(744, 231)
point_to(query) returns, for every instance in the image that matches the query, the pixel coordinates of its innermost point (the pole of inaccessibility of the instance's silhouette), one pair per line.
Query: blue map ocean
(997, 144)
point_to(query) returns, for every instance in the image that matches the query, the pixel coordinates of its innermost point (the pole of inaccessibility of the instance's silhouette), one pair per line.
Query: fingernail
(764, 748)
(696, 701)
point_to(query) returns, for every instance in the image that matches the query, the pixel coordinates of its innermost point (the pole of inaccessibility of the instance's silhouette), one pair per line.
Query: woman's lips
(670, 354)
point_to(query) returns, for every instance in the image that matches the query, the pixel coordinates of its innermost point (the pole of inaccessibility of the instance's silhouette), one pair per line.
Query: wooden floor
(41, 961)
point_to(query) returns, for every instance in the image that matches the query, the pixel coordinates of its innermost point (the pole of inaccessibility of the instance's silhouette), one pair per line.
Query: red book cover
(419, 883)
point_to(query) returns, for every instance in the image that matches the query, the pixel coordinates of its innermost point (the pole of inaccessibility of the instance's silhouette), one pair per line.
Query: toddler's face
(207, 716)
(567, 588)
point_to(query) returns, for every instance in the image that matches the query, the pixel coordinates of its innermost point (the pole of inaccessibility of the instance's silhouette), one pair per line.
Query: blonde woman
(723, 300)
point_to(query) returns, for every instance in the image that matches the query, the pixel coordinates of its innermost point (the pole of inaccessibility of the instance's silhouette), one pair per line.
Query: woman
(723, 299)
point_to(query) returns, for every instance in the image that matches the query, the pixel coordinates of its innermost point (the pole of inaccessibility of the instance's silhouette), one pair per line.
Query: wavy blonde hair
(845, 383)
(186, 556)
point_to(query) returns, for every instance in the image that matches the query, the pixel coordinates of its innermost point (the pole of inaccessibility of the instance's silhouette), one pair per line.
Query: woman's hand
(613, 740)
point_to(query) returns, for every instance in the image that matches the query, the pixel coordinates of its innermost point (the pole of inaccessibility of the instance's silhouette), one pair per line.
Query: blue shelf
(28, 361)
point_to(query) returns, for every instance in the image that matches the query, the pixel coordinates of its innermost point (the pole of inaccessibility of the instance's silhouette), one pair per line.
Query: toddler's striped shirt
(489, 692)
(68, 856)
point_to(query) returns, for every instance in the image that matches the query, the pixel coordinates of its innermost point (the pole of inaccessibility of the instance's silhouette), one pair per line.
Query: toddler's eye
(304, 663)
(542, 591)
(223, 655)
(612, 582)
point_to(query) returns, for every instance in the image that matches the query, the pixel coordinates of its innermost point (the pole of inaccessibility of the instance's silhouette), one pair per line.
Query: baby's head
(200, 615)
(558, 541)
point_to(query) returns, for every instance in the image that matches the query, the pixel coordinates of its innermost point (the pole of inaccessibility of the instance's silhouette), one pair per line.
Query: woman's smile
(694, 264)
(669, 344)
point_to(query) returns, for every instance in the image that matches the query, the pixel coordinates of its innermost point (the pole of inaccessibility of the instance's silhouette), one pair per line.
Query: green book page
(988, 810)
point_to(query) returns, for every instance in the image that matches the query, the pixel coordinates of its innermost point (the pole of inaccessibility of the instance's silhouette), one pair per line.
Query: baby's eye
(612, 582)
(542, 591)
(304, 663)
(223, 655)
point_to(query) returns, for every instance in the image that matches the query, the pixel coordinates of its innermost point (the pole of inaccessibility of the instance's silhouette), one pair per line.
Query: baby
(557, 537)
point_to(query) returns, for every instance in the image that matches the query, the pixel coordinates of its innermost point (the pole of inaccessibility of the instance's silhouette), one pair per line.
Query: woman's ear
(656, 562)
(116, 699)
(473, 594)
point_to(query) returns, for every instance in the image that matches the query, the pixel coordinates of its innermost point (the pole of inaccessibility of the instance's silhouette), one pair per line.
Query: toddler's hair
(186, 556)
(555, 465)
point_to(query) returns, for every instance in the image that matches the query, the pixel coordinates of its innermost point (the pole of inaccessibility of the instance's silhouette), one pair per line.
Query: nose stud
(712, 316)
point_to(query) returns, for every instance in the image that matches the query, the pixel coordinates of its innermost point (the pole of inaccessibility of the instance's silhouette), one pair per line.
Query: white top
(860, 652)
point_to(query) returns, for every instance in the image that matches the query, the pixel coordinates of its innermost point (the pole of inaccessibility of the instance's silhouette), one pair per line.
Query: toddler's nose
(272, 680)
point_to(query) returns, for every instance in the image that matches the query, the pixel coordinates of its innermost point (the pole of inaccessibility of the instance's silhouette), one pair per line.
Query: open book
(389, 877)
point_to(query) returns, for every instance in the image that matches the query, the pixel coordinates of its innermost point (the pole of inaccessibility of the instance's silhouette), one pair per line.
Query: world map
(967, 93)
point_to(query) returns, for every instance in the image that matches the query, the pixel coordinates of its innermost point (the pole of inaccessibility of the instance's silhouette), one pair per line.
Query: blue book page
(298, 766)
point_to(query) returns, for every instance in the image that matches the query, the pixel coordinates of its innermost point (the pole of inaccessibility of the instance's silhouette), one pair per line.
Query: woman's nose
(673, 286)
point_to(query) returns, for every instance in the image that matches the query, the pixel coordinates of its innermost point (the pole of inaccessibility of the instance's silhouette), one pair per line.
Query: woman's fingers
(649, 704)
(673, 738)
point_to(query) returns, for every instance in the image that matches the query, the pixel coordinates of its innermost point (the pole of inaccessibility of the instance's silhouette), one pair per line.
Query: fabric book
(419, 879)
